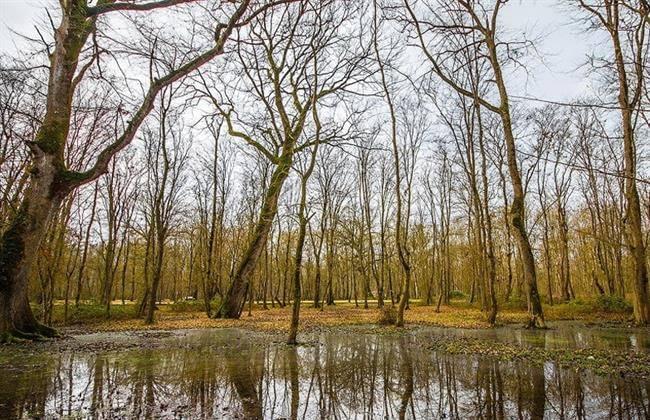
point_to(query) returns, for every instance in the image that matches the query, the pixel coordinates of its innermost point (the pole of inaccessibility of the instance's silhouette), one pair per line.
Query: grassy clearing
(459, 314)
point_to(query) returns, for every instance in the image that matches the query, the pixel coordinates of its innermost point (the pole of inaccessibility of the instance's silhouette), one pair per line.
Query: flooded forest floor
(589, 363)
(579, 336)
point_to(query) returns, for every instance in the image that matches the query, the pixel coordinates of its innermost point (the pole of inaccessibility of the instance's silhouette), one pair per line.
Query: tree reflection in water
(226, 374)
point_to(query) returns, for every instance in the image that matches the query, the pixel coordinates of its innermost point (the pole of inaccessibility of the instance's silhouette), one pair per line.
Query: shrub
(612, 304)
(89, 312)
(387, 315)
(457, 294)
(188, 306)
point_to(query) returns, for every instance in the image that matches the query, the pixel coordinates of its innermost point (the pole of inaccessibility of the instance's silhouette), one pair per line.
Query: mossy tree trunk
(302, 233)
(235, 297)
(517, 217)
(49, 180)
(619, 20)
(288, 91)
(628, 99)
(518, 206)
(485, 27)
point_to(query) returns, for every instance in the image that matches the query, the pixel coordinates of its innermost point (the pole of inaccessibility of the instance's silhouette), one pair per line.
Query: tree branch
(101, 165)
(112, 7)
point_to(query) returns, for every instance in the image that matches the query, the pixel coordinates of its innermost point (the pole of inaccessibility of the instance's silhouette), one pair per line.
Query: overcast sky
(562, 44)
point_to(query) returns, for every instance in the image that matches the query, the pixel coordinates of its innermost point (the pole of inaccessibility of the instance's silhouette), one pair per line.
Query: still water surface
(340, 375)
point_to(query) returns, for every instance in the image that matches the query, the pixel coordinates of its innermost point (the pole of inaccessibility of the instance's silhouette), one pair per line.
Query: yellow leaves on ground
(342, 314)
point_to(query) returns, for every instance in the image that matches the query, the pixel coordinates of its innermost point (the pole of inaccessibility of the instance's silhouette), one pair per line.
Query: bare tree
(303, 220)
(118, 191)
(284, 41)
(366, 161)
(627, 23)
(20, 114)
(456, 25)
(166, 157)
(213, 189)
(401, 216)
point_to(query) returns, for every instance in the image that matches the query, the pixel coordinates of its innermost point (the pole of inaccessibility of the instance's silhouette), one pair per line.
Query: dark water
(233, 374)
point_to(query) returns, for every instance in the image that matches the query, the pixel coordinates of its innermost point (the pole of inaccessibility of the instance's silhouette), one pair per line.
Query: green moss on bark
(12, 246)
(51, 137)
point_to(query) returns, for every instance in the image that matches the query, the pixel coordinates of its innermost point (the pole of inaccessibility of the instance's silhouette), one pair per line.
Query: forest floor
(459, 314)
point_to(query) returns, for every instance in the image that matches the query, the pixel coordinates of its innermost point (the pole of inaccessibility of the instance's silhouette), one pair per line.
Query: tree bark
(302, 232)
(297, 292)
(18, 249)
(518, 206)
(633, 218)
(401, 232)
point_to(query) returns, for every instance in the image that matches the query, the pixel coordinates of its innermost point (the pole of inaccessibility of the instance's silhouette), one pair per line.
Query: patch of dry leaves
(342, 314)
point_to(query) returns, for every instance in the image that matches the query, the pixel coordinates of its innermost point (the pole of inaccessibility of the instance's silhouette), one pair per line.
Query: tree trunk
(297, 293)
(565, 268)
(302, 232)
(317, 284)
(84, 254)
(518, 206)
(232, 301)
(156, 279)
(401, 232)
(487, 218)
(18, 248)
(633, 218)
(635, 226)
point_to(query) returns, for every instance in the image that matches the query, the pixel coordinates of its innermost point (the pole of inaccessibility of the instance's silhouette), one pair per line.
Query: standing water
(343, 374)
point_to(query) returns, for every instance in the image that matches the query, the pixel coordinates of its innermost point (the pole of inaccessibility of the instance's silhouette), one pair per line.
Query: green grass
(616, 304)
(191, 306)
(89, 312)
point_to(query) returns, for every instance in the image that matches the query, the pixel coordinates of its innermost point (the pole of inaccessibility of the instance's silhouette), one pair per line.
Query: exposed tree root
(47, 331)
(9, 338)
(535, 323)
(40, 332)
(16, 336)
(28, 336)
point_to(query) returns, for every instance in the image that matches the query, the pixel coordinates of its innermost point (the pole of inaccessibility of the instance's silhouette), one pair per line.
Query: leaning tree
(626, 23)
(270, 109)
